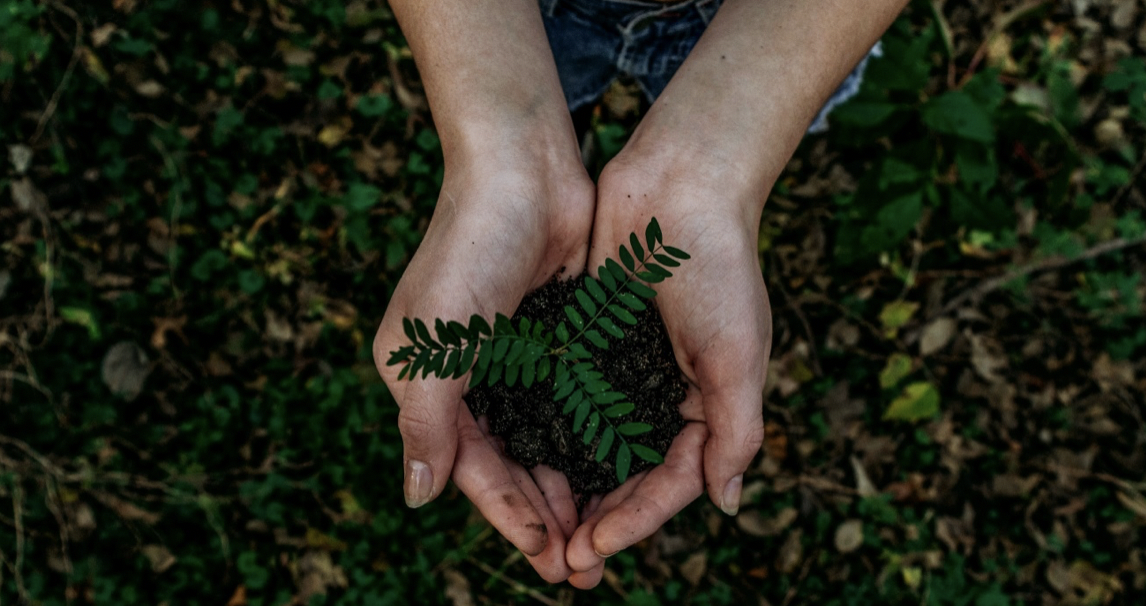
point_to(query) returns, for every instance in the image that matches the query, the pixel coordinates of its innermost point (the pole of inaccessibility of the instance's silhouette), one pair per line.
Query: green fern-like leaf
(647, 454)
(587, 304)
(525, 352)
(605, 444)
(638, 252)
(624, 460)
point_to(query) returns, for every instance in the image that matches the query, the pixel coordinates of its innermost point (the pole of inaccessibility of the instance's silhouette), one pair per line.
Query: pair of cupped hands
(505, 224)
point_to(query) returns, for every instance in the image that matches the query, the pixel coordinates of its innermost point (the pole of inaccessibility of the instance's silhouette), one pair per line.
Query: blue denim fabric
(594, 41)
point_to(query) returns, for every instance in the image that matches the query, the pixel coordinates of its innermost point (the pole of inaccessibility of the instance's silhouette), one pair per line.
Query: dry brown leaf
(936, 335)
(756, 524)
(987, 357)
(457, 588)
(864, 486)
(159, 556)
(27, 196)
(102, 34)
(775, 442)
(842, 335)
(1134, 503)
(316, 574)
(791, 553)
(849, 536)
(127, 511)
(21, 157)
(150, 89)
(125, 367)
(239, 598)
(694, 567)
(1110, 374)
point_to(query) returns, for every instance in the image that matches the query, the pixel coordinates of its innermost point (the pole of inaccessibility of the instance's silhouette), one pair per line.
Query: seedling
(531, 353)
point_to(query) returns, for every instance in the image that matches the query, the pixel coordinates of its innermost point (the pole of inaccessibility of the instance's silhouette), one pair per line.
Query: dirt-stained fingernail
(419, 484)
(603, 555)
(730, 500)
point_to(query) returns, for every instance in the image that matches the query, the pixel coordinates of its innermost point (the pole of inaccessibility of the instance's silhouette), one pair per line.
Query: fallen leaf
(936, 335)
(102, 34)
(1110, 374)
(849, 536)
(775, 441)
(20, 156)
(239, 598)
(159, 556)
(457, 588)
(898, 366)
(754, 523)
(913, 575)
(1135, 503)
(125, 367)
(93, 65)
(791, 553)
(27, 196)
(987, 358)
(333, 134)
(319, 540)
(918, 401)
(127, 511)
(694, 567)
(864, 486)
(895, 315)
(150, 89)
(841, 335)
(316, 574)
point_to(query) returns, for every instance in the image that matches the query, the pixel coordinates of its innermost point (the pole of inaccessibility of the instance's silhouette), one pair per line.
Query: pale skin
(517, 207)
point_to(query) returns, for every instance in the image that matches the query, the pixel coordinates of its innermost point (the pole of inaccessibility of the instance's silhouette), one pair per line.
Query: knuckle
(418, 423)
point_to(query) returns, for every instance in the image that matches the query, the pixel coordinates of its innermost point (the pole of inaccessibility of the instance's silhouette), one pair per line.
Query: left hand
(716, 311)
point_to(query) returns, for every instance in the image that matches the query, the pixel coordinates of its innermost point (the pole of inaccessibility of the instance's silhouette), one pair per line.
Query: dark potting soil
(641, 366)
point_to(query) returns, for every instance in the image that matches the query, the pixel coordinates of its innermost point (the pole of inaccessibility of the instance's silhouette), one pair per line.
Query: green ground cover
(205, 205)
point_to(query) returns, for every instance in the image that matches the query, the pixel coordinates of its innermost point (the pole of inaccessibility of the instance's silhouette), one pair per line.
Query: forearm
(489, 76)
(742, 101)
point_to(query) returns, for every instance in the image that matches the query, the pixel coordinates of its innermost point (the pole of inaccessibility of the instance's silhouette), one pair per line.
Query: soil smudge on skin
(641, 366)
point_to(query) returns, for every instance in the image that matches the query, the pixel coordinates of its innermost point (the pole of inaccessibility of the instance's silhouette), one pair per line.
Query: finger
(667, 489)
(550, 563)
(736, 427)
(428, 422)
(589, 578)
(642, 505)
(483, 476)
(554, 487)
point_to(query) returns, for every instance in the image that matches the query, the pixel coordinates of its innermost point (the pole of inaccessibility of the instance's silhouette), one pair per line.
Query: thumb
(428, 422)
(736, 431)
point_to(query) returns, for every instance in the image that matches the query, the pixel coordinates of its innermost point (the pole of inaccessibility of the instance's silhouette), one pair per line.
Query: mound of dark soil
(640, 366)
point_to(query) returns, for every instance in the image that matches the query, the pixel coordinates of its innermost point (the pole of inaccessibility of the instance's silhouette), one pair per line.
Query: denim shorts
(594, 41)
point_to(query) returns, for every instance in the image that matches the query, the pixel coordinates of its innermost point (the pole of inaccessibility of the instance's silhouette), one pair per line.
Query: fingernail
(605, 555)
(419, 484)
(730, 500)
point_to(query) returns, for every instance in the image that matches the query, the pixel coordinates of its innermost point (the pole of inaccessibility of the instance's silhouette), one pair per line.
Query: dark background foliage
(207, 204)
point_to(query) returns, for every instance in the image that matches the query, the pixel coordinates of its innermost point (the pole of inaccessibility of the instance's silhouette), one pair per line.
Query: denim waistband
(634, 14)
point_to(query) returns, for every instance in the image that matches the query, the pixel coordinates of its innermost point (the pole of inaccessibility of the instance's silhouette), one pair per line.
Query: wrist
(692, 175)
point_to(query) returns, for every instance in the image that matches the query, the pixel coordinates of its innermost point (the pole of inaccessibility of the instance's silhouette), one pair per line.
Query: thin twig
(176, 208)
(1131, 181)
(15, 376)
(993, 284)
(518, 587)
(53, 502)
(55, 100)
(18, 514)
(795, 307)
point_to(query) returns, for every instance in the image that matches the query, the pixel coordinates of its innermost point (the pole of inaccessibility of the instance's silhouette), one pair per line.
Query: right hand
(502, 227)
